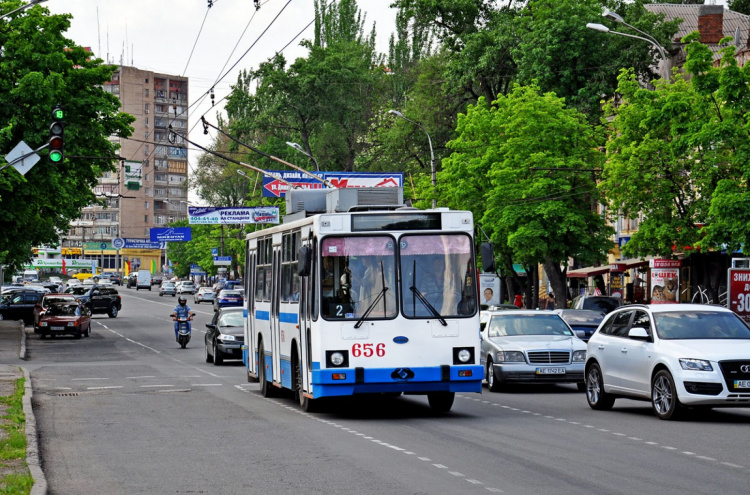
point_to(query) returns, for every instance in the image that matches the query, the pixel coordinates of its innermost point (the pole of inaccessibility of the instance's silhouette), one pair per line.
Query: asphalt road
(127, 411)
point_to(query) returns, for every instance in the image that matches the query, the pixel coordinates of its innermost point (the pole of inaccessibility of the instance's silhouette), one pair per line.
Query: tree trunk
(557, 279)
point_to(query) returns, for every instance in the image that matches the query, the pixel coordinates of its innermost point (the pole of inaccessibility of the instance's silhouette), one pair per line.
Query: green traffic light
(55, 156)
(58, 113)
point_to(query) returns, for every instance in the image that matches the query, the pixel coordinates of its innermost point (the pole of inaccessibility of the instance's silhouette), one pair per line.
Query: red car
(66, 318)
(48, 299)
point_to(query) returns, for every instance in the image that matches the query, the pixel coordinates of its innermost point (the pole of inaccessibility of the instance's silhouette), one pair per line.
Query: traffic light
(56, 135)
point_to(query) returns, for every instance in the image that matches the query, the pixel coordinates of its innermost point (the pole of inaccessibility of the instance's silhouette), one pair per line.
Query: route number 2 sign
(738, 294)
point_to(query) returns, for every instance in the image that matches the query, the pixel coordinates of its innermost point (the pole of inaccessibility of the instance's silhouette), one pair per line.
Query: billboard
(217, 215)
(135, 243)
(274, 188)
(171, 234)
(489, 289)
(738, 295)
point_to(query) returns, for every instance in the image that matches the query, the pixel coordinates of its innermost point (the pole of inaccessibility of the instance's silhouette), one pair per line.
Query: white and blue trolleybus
(376, 299)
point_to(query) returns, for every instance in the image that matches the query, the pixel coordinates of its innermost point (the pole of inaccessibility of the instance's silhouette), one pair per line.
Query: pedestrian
(550, 301)
(519, 301)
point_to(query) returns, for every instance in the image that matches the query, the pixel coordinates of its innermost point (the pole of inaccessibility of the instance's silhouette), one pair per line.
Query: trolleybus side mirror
(488, 257)
(305, 261)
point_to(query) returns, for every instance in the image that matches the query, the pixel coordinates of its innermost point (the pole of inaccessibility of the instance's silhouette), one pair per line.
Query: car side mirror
(210, 325)
(639, 333)
(581, 334)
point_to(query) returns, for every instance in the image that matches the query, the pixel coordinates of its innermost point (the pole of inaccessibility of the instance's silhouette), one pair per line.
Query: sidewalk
(12, 356)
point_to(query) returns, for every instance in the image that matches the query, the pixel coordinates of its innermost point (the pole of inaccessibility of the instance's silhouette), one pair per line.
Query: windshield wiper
(370, 308)
(427, 305)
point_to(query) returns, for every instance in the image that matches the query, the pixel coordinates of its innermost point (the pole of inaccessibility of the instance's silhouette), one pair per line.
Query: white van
(144, 280)
(31, 275)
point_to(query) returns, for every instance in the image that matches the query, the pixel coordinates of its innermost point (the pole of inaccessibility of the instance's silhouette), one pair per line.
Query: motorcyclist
(182, 310)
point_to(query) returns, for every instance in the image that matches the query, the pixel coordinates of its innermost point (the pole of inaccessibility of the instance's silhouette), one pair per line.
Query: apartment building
(149, 188)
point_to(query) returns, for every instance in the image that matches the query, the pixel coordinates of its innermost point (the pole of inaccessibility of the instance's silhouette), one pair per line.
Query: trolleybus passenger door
(307, 282)
(275, 306)
(251, 281)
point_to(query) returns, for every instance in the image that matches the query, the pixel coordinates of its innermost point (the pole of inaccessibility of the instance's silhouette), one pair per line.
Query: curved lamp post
(302, 150)
(604, 29)
(22, 7)
(432, 154)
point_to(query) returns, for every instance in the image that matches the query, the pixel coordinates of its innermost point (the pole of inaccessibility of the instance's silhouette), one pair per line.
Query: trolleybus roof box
(303, 202)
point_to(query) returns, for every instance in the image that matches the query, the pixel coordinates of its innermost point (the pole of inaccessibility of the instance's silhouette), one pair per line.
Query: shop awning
(591, 271)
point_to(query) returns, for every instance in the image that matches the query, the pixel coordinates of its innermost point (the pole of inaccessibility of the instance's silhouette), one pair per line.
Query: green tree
(517, 166)
(41, 68)
(741, 6)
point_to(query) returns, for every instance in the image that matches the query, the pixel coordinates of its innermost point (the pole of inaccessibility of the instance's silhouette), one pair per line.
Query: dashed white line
(156, 386)
(475, 482)
(733, 465)
(206, 384)
(86, 379)
(456, 473)
(440, 466)
(426, 459)
(137, 377)
(103, 388)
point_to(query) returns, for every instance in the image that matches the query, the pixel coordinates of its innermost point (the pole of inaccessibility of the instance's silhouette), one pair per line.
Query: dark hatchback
(19, 304)
(583, 320)
(225, 335)
(67, 318)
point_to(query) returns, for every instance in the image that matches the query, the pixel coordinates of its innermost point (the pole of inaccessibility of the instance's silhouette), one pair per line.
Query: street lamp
(22, 7)
(432, 154)
(302, 150)
(648, 38)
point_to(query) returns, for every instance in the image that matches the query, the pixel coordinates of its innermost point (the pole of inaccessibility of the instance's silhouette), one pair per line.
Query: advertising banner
(274, 188)
(738, 292)
(171, 234)
(133, 243)
(665, 285)
(489, 289)
(217, 215)
(58, 263)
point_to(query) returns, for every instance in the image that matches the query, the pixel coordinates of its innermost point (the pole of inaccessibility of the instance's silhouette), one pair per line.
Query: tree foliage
(517, 166)
(40, 68)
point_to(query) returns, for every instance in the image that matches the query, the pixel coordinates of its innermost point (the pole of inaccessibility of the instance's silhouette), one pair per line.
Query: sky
(160, 35)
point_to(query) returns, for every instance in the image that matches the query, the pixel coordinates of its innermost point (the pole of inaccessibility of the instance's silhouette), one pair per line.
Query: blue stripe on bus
(244, 312)
(378, 380)
(288, 318)
(262, 315)
(269, 365)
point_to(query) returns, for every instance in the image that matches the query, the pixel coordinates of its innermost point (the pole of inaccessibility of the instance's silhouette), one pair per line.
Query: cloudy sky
(160, 35)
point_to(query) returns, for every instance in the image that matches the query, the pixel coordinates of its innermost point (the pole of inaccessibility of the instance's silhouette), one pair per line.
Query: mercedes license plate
(550, 371)
(742, 384)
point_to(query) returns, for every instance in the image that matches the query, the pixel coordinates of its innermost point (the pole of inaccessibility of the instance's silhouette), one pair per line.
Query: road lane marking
(155, 386)
(136, 377)
(206, 384)
(86, 379)
(103, 388)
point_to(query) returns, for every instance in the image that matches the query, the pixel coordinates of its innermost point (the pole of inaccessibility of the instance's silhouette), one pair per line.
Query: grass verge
(15, 478)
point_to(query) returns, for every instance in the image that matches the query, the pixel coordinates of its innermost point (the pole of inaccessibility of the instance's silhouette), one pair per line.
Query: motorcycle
(183, 329)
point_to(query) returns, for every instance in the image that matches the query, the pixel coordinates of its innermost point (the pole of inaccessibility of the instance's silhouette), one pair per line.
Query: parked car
(526, 346)
(167, 289)
(19, 304)
(186, 287)
(204, 294)
(225, 336)
(132, 280)
(98, 299)
(605, 304)
(673, 355)
(66, 318)
(47, 300)
(227, 298)
(582, 320)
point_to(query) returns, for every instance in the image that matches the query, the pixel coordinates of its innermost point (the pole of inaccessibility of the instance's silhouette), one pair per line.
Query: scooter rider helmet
(182, 300)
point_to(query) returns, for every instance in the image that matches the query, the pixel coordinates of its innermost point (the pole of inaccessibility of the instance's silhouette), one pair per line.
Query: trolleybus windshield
(358, 275)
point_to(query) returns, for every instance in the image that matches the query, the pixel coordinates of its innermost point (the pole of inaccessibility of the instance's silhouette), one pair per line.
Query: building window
(145, 150)
(146, 178)
(145, 204)
(145, 218)
(146, 93)
(146, 107)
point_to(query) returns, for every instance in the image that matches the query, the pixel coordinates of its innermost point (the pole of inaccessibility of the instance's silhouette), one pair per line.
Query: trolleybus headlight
(337, 359)
(464, 355)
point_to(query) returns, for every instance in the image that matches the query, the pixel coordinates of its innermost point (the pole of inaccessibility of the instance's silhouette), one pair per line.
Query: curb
(32, 441)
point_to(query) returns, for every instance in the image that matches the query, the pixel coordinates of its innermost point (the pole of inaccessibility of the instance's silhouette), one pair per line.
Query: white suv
(673, 355)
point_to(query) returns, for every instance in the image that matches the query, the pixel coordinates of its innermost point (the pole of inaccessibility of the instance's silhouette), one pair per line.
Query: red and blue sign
(275, 188)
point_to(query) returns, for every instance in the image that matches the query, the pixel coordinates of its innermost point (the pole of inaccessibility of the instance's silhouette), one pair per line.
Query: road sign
(118, 243)
(28, 161)
(171, 234)
(222, 260)
(214, 251)
(738, 292)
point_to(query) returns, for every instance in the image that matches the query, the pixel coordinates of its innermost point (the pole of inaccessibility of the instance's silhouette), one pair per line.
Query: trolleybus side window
(263, 271)
(312, 281)
(290, 244)
(437, 276)
(358, 277)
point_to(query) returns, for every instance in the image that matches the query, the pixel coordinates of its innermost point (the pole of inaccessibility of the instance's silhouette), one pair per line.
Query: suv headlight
(510, 357)
(579, 356)
(695, 364)
(227, 337)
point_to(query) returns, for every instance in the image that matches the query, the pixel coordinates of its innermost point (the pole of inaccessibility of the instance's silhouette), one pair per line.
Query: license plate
(550, 371)
(742, 384)
(58, 328)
